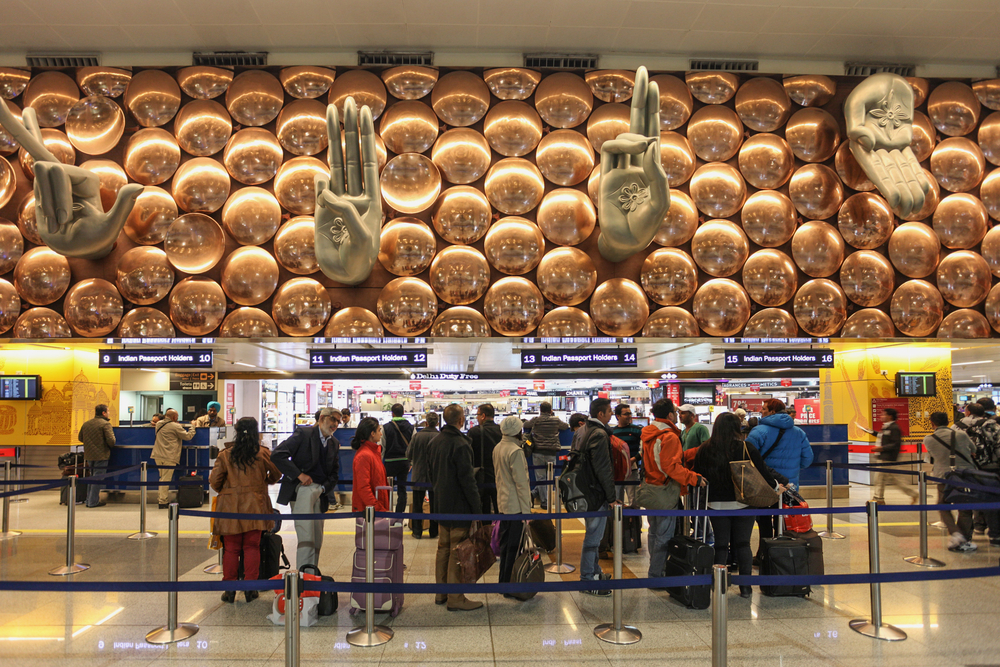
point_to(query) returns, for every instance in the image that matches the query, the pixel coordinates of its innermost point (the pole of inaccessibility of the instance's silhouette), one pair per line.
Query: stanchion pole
(555, 501)
(617, 632)
(370, 634)
(71, 567)
(18, 459)
(875, 628)
(172, 631)
(143, 534)
(830, 533)
(923, 560)
(6, 533)
(215, 568)
(292, 584)
(720, 615)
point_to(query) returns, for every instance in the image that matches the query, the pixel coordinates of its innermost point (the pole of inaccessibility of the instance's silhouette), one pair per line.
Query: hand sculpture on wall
(633, 194)
(879, 116)
(71, 219)
(349, 217)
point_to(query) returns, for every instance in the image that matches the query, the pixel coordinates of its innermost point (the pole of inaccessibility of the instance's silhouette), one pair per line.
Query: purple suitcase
(388, 566)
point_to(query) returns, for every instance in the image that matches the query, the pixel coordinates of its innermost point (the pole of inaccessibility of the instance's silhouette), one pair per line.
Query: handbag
(751, 489)
(528, 568)
(474, 554)
(796, 523)
(327, 599)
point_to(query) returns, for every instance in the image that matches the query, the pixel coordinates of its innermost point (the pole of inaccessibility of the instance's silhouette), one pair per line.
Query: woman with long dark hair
(240, 477)
(711, 461)
(369, 471)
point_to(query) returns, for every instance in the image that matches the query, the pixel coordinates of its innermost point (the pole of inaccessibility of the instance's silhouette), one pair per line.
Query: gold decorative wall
(487, 180)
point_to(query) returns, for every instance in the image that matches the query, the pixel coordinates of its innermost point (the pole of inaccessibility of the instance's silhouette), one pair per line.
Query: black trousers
(732, 533)
(417, 525)
(488, 498)
(511, 534)
(766, 525)
(398, 470)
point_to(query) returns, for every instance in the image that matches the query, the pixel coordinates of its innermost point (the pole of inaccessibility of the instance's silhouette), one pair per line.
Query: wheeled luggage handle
(698, 492)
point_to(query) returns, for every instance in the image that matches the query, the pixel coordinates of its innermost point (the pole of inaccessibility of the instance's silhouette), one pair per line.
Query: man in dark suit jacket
(455, 492)
(485, 436)
(310, 464)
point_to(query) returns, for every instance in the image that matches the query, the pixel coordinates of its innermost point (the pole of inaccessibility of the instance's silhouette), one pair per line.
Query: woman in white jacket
(513, 492)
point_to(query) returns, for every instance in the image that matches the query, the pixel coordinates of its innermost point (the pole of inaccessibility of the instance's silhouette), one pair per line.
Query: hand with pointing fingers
(879, 115)
(71, 218)
(349, 215)
(633, 194)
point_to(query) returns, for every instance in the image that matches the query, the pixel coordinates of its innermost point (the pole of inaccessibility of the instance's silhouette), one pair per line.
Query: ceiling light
(978, 376)
(149, 370)
(971, 363)
(240, 363)
(778, 370)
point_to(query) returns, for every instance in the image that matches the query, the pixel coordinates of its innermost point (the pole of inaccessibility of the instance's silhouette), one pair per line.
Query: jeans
(661, 529)
(398, 470)
(309, 533)
(166, 476)
(233, 546)
(542, 492)
(511, 535)
(733, 532)
(94, 490)
(590, 565)
(417, 525)
(446, 569)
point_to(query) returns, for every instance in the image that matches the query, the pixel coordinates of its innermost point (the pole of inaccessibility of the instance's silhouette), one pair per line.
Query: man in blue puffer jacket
(784, 447)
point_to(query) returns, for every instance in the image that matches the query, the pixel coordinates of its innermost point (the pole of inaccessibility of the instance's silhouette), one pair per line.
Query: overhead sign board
(765, 359)
(181, 381)
(155, 359)
(365, 358)
(624, 357)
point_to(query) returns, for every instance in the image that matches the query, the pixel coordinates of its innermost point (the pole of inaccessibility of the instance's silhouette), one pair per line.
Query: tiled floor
(950, 623)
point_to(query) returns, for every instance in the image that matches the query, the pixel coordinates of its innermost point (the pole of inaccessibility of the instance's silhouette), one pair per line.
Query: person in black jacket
(396, 436)
(485, 436)
(890, 442)
(593, 440)
(455, 492)
(310, 464)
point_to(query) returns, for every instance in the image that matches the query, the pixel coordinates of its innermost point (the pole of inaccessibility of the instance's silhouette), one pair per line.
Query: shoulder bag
(751, 489)
(528, 567)
(474, 554)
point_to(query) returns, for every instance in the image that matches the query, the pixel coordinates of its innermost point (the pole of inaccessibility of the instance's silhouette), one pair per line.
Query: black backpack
(578, 483)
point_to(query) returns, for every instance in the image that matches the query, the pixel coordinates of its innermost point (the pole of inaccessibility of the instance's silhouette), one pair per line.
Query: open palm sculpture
(879, 115)
(71, 219)
(633, 194)
(348, 203)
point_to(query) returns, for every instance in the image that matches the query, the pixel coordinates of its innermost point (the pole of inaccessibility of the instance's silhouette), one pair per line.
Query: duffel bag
(961, 486)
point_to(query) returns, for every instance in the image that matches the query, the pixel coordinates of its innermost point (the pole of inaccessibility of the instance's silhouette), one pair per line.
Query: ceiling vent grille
(230, 58)
(66, 60)
(395, 58)
(867, 69)
(725, 65)
(559, 61)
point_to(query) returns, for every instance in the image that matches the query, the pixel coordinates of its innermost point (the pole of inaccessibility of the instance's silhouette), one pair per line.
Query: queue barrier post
(172, 631)
(875, 628)
(215, 568)
(555, 505)
(293, 584)
(6, 533)
(71, 566)
(923, 560)
(370, 634)
(720, 615)
(617, 632)
(830, 533)
(143, 534)
(19, 460)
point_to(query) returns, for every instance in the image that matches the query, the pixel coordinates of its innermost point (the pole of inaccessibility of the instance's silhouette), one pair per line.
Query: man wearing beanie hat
(513, 492)
(212, 418)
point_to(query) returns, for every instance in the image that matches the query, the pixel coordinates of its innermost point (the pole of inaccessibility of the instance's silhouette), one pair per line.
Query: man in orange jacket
(661, 452)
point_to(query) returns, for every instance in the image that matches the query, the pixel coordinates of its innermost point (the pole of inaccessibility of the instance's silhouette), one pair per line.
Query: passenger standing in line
(418, 454)
(310, 463)
(98, 437)
(950, 449)
(576, 420)
(711, 460)
(455, 492)
(240, 477)
(368, 469)
(593, 442)
(167, 452)
(513, 492)
(545, 445)
(695, 432)
(395, 440)
(484, 436)
(888, 448)
(631, 435)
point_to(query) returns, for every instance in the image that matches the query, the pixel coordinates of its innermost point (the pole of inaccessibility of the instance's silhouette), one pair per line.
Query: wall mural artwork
(304, 201)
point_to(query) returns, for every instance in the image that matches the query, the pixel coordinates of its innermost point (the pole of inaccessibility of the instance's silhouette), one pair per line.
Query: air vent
(724, 65)
(867, 69)
(394, 58)
(57, 60)
(230, 58)
(559, 61)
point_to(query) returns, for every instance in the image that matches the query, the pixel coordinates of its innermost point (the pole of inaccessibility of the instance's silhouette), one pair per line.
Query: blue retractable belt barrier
(271, 517)
(46, 487)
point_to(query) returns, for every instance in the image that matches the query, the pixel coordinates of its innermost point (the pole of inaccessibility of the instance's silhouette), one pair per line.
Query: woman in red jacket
(369, 471)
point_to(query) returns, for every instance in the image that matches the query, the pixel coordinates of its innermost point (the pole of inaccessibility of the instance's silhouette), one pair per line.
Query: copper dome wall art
(488, 182)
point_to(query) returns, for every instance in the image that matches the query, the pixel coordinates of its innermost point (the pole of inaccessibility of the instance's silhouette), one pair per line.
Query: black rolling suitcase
(631, 534)
(814, 544)
(787, 556)
(191, 495)
(688, 556)
(71, 463)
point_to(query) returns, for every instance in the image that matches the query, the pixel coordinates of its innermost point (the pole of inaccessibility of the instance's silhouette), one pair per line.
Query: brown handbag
(751, 489)
(474, 554)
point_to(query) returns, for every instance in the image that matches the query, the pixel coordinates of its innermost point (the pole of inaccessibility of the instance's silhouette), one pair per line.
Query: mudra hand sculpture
(879, 115)
(349, 218)
(71, 219)
(633, 194)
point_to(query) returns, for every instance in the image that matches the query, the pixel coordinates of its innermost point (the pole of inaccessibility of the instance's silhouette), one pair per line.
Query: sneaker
(599, 594)
(100, 504)
(964, 547)
(955, 540)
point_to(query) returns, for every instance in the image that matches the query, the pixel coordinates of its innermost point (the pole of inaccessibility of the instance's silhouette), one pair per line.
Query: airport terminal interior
(777, 218)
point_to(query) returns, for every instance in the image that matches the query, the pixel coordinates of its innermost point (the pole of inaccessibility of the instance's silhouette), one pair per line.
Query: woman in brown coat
(240, 477)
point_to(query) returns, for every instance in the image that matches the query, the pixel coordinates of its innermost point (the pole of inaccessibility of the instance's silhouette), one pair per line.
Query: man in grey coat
(951, 449)
(418, 454)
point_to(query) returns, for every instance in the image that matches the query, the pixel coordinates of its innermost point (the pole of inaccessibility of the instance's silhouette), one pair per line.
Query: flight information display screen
(916, 384)
(20, 387)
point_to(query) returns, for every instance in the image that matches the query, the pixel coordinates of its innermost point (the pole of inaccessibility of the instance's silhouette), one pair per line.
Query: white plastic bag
(308, 611)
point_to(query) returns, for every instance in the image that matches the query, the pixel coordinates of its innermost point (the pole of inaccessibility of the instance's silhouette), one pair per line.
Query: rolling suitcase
(388, 565)
(814, 544)
(631, 534)
(71, 463)
(191, 495)
(688, 556)
(784, 555)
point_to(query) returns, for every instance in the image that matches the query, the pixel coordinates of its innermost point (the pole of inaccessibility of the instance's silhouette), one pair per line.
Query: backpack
(576, 481)
(985, 437)
(621, 462)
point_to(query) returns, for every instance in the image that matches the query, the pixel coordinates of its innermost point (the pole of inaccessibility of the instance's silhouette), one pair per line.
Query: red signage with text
(326, 386)
(505, 393)
(230, 401)
(437, 394)
(415, 385)
(902, 407)
(378, 395)
(652, 384)
(522, 391)
(673, 392)
(751, 405)
(786, 382)
(607, 386)
(538, 384)
(807, 410)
